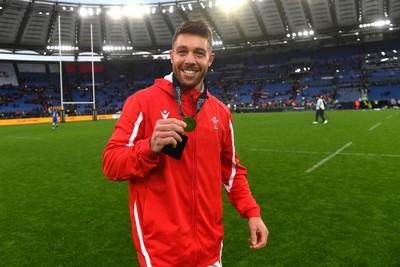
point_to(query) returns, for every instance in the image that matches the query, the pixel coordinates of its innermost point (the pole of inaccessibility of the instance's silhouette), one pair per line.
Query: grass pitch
(329, 194)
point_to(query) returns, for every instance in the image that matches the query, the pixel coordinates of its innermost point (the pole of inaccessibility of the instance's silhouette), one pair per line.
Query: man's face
(190, 57)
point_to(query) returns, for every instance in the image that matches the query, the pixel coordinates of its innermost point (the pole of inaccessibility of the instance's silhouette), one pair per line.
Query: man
(174, 143)
(320, 107)
(54, 123)
(357, 104)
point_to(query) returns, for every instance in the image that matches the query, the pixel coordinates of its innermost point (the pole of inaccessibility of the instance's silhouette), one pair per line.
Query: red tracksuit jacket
(176, 205)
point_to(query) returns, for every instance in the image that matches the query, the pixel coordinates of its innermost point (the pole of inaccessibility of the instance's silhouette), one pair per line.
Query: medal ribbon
(178, 96)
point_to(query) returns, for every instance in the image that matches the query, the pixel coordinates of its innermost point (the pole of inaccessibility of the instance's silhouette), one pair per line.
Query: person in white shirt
(320, 107)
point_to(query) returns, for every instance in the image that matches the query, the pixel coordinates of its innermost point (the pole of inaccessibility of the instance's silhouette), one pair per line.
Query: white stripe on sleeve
(135, 129)
(233, 170)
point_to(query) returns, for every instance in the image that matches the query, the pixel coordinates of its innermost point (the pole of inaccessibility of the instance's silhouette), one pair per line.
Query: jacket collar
(169, 77)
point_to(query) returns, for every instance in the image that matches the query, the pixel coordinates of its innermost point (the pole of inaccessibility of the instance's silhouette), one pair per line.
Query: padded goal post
(94, 111)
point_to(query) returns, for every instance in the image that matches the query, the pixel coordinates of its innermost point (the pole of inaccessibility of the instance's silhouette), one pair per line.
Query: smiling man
(191, 56)
(174, 144)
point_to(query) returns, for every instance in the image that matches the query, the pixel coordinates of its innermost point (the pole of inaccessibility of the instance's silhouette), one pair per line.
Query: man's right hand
(166, 132)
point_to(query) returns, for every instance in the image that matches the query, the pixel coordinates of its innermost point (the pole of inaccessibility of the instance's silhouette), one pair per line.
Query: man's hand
(258, 233)
(166, 132)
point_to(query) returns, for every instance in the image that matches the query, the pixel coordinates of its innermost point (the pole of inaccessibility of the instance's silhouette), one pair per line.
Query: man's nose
(190, 59)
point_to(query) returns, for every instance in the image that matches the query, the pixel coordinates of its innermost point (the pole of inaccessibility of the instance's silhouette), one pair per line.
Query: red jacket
(176, 205)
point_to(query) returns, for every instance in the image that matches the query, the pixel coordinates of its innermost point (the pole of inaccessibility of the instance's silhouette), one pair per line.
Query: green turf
(329, 193)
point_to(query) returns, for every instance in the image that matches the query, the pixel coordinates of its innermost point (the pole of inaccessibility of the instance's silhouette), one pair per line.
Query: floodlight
(229, 5)
(83, 12)
(132, 11)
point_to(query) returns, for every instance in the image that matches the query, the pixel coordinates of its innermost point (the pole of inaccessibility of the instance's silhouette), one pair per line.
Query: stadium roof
(125, 29)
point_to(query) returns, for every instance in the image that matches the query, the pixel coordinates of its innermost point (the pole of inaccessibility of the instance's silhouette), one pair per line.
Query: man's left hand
(258, 233)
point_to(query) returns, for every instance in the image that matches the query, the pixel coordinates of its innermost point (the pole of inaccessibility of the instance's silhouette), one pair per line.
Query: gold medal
(190, 124)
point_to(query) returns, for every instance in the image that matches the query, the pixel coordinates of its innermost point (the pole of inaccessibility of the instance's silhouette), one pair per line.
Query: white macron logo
(165, 114)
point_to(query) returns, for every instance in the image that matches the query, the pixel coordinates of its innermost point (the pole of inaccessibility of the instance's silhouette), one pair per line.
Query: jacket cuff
(255, 212)
(147, 152)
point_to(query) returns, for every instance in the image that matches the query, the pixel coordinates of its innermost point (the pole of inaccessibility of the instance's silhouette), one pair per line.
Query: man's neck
(201, 90)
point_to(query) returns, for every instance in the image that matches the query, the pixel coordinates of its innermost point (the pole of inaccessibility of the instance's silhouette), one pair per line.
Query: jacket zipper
(192, 107)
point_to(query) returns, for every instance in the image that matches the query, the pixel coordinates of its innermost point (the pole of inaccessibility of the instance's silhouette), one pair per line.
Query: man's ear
(171, 56)
(211, 59)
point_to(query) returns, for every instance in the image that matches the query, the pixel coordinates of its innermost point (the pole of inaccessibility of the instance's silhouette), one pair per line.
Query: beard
(189, 82)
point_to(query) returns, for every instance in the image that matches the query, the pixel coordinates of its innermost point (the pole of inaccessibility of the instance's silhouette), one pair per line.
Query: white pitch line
(376, 125)
(328, 158)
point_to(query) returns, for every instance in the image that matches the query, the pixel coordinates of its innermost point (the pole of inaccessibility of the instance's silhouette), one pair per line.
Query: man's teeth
(189, 71)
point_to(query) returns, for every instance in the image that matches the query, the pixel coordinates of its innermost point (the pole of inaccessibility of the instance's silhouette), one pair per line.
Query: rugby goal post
(62, 112)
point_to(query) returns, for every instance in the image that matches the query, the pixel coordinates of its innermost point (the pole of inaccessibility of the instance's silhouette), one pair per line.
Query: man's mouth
(190, 72)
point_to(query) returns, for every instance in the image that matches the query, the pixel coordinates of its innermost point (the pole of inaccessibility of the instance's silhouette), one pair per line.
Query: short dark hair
(198, 27)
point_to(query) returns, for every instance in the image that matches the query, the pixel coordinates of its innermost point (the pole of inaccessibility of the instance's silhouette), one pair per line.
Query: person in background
(357, 104)
(174, 143)
(320, 108)
(54, 114)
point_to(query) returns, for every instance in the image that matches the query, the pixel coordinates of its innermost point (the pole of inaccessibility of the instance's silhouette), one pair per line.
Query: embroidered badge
(165, 114)
(215, 121)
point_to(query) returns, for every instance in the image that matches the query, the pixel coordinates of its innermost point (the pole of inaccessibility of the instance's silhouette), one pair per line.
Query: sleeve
(234, 177)
(127, 154)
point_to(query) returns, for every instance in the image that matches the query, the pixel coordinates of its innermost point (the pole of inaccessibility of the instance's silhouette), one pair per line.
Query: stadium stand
(337, 74)
(341, 74)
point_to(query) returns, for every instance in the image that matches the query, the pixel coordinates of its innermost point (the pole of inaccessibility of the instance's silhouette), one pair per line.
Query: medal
(190, 124)
(190, 121)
